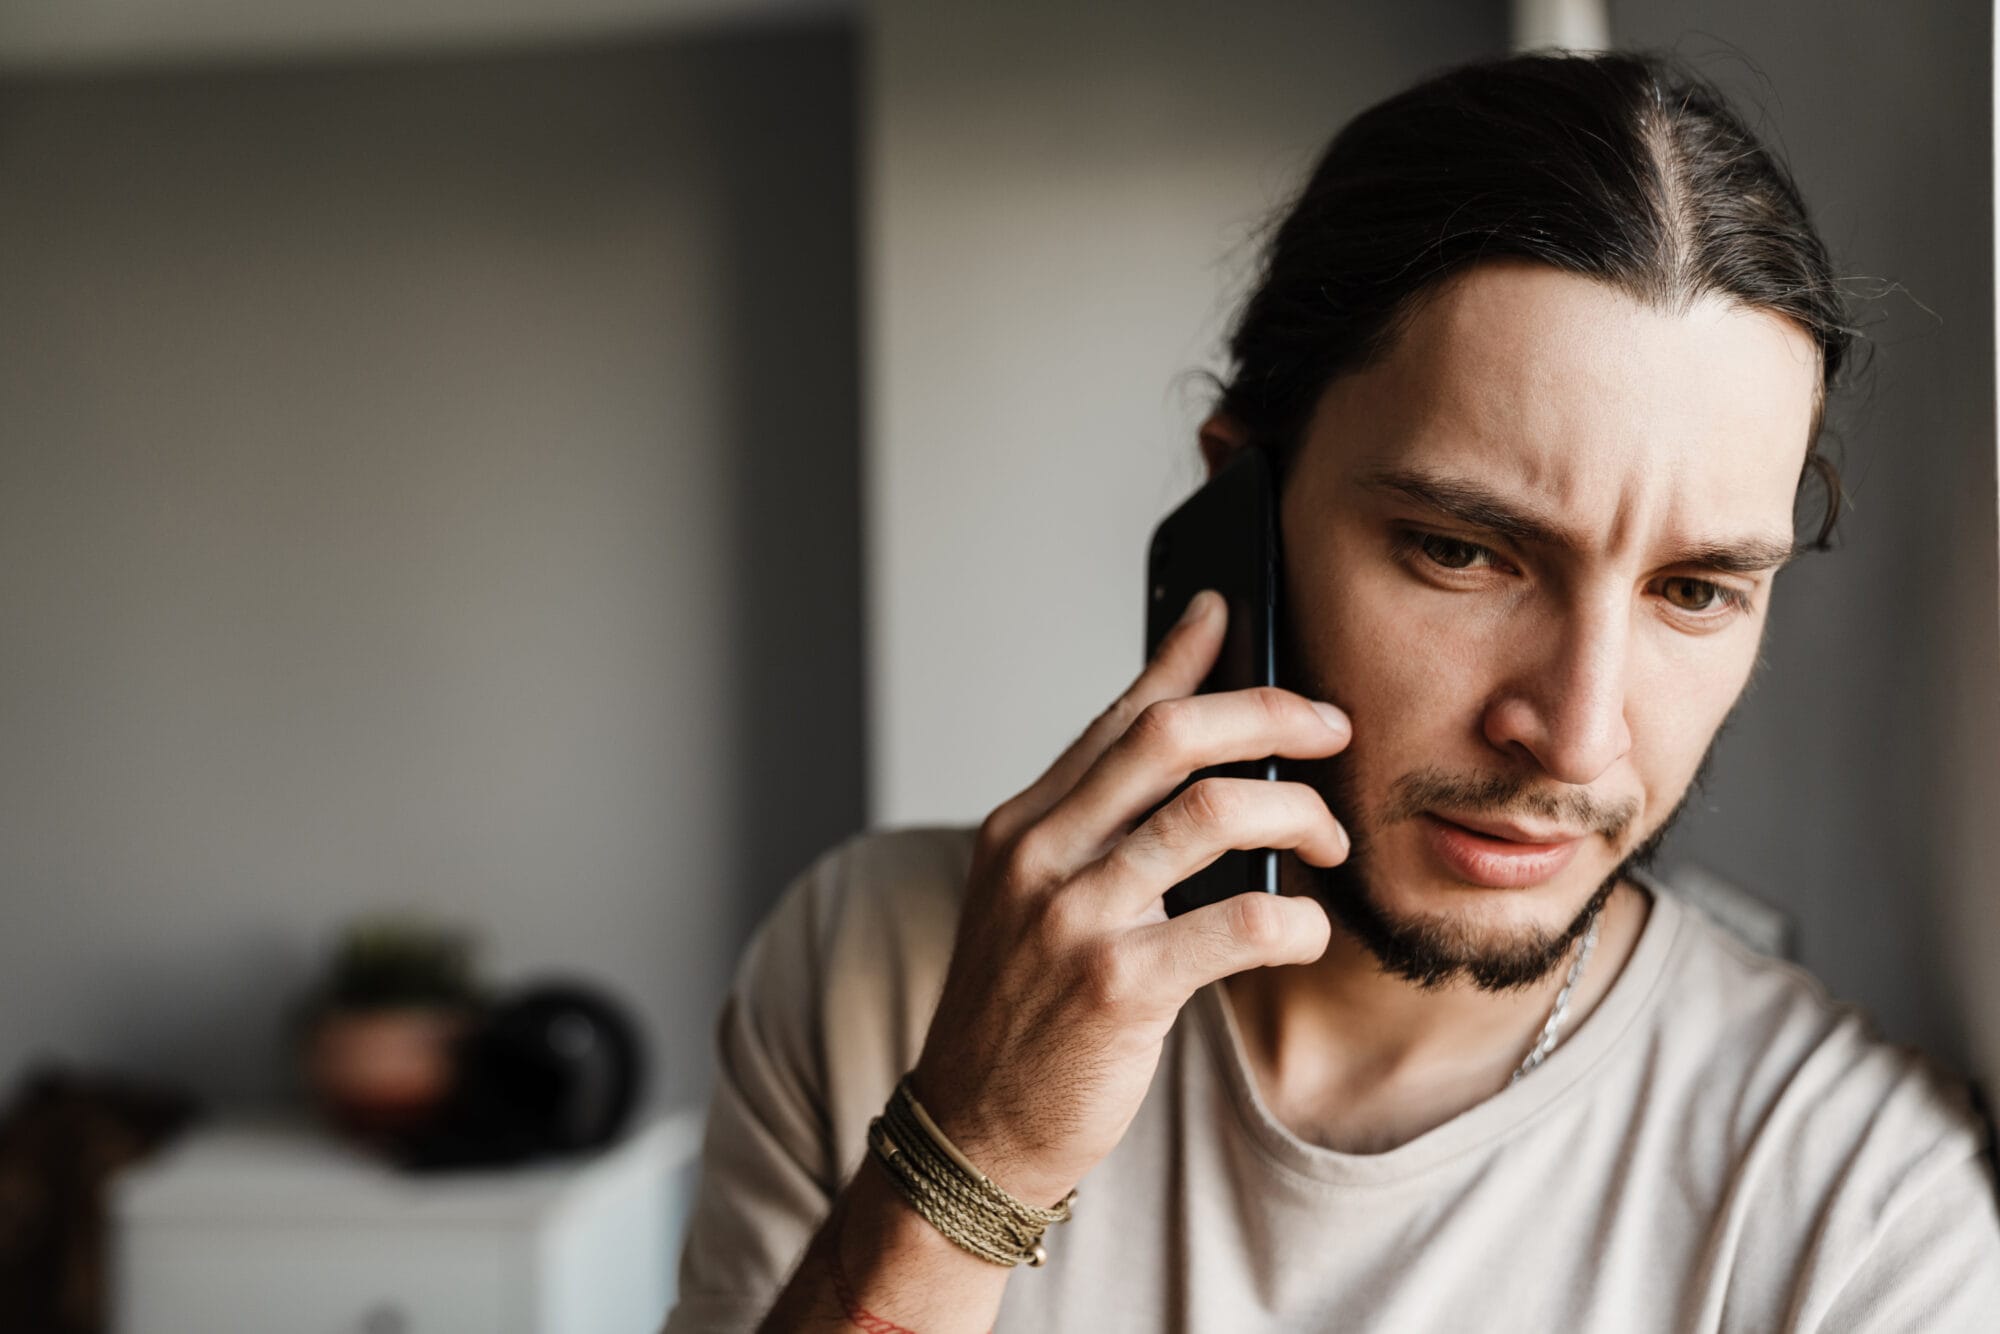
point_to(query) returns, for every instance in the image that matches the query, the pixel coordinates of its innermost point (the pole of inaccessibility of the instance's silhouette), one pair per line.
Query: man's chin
(1434, 950)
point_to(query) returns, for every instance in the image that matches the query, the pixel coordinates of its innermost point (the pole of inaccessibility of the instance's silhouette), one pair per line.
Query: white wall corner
(1575, 25)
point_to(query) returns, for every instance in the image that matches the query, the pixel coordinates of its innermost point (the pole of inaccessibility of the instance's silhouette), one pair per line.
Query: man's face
(1530, 552)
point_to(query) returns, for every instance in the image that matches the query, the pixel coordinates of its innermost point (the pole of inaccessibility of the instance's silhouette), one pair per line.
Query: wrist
(892, 1265)
(1013, 1168)
(953, 1193)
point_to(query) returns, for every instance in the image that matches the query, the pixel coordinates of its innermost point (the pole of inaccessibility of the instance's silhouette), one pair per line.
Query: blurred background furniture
(274, 1227)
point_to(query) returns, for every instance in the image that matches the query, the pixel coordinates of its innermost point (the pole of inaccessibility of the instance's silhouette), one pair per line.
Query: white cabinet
(270, 1228)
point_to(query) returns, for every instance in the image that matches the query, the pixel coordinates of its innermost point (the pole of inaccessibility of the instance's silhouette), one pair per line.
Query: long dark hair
(1622, 167)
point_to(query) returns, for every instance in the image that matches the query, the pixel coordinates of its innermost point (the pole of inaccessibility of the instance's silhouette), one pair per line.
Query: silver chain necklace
(1546, 1043)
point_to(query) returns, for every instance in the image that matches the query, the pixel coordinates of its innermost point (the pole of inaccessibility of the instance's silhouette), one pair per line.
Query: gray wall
(1063, 202)
(425, 483)
(1855, 787)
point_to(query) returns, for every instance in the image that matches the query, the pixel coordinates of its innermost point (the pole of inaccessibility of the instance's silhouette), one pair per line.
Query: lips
(1498, 854)
(1512, 832)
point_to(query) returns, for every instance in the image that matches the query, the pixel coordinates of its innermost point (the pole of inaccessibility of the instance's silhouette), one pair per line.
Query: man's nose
(1565, 706)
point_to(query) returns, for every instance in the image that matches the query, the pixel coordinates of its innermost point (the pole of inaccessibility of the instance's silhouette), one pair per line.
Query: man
(1540, 355)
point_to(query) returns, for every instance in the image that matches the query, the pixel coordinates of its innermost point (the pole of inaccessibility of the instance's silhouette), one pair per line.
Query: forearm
(876, 1264)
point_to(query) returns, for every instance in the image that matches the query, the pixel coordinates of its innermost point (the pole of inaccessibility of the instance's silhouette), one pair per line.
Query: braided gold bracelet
(955, 1197)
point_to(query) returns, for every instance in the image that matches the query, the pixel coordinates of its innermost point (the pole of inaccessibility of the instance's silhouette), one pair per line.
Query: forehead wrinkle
(1605, 422)
(1511, 404)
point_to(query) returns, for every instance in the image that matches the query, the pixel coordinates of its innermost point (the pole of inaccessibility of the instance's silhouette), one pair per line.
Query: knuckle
(1257, 920)
(1211, 805)
(1282, 708)
(1119, 713)
(1163, 726)
(1110, 975)
(991, 840)
(1060, 917)
(1026, 860)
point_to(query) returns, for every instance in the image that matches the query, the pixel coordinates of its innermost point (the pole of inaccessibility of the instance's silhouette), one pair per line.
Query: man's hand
(1067, 973)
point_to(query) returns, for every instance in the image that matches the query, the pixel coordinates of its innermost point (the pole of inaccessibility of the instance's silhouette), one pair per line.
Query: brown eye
(1693, 594)
(1449, 552)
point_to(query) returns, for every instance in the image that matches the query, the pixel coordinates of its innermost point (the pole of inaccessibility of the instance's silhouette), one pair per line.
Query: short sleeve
(828, 1008)
(766, 1177)
(1933, 1266)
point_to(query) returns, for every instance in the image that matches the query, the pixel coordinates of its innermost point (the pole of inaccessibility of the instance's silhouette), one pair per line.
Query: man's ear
(1222, 439)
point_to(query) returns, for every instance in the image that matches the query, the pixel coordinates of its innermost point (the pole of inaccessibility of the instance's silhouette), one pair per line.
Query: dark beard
(1433, 952)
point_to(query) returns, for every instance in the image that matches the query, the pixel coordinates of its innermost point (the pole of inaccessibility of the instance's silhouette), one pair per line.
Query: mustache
(1502, 795)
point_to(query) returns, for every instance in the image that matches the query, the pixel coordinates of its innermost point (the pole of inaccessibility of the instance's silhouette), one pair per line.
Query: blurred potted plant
(379, 1030)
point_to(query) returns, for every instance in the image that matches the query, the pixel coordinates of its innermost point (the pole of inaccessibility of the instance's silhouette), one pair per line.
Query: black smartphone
(1225, 537)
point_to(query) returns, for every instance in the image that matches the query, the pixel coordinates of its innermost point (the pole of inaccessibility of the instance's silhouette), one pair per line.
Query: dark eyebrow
(1478, 506)
(1749, 555)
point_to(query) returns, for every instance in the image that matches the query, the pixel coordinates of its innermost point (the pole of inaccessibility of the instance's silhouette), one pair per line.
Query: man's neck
(1351, 1058)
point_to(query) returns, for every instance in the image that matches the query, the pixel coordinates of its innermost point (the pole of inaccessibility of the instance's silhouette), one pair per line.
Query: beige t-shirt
(1718, 1146)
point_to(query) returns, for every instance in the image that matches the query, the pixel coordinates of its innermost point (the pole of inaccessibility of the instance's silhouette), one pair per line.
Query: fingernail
(1333, 718)
(1197, 607)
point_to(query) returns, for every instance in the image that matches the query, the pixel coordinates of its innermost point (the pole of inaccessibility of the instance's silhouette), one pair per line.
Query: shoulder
(829, 1005)
(1768, 1030)
(883, 900)
(1825, 1132)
